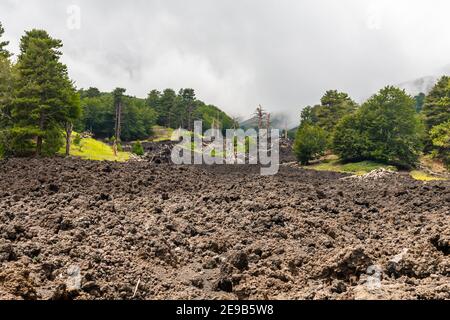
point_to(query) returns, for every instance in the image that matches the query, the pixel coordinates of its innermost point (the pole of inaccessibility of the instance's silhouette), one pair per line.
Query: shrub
(310, 143)
(386, 128)
(18, 142)
(77, 140)
(350, 142)
(137, 148)
(53, 141)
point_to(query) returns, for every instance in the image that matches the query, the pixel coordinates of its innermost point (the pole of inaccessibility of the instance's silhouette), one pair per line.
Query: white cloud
(283, 54)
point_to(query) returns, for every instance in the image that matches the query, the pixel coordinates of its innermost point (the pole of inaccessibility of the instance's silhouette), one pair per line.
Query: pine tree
(334, 106)
(437, 104)
(6, 82)
(187, 107)
(6, 86)
(154, 101)
(3, 52)
(44, 99)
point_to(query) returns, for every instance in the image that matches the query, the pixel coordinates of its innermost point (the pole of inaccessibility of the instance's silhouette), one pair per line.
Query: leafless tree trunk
(260, 115)
(69, 129)
(118, 122)
(115, 148)
(286, 130)
(189, 126)
(118, 127)
(39, 138)
(268, 121)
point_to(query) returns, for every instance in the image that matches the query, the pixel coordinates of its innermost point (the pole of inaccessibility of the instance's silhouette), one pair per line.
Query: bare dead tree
(118, 94)
(285, 129)
(260, 115)
(69, 129)
(117, 127)
(268, 121)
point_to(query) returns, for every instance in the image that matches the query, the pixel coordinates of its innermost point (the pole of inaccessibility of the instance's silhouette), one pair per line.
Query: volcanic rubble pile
(72, 229)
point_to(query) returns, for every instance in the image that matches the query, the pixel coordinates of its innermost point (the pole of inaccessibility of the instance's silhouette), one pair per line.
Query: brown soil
(71, 229)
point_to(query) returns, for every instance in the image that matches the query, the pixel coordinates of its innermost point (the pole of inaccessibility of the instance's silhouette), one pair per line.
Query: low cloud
(238, 54)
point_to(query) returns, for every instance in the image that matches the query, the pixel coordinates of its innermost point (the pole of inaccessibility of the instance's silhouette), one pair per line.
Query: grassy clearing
(161, 134)
(364, 167)
(358, 168)
(433, 164)
(91, 149)
(423, 176)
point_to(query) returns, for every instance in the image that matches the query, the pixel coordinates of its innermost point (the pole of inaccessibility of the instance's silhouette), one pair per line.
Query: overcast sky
(237, 54)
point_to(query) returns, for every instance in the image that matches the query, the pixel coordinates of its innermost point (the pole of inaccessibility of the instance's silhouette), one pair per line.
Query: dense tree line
(333, 107)
(386, 128)
(390, 127)
(167, 109)
(182, 109)
(98, 115)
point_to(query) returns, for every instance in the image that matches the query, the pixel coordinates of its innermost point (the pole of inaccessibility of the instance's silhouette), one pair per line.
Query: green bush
(53, 141)
(310, 143)
(350, 141)
(18, 142)
(137, 148)
(77, 140)
(386, 128)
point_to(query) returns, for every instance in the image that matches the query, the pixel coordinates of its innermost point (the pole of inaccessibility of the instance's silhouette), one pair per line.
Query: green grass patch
(423, 176)
(358, 168)
(91, 149)
(161, 134)
(165, 134)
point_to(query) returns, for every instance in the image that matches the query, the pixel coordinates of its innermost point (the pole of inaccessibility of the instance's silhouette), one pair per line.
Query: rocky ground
(72, 229)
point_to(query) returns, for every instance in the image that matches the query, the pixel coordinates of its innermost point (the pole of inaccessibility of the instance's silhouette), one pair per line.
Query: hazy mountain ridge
(277, 121)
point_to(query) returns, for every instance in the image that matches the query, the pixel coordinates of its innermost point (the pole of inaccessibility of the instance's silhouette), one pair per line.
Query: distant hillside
(276, 122)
